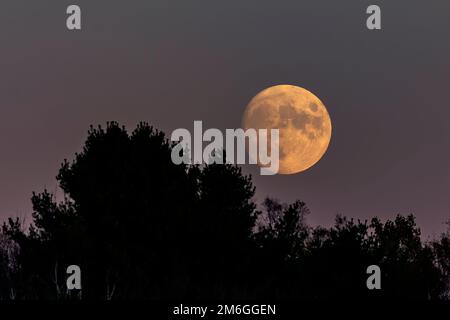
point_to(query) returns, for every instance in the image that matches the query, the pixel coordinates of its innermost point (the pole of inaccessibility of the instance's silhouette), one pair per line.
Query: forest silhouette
(141, 227)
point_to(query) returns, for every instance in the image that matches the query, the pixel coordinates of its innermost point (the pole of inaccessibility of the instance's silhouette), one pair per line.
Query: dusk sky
(172, 62)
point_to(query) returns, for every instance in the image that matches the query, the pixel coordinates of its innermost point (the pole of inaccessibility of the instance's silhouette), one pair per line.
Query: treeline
(141, 227)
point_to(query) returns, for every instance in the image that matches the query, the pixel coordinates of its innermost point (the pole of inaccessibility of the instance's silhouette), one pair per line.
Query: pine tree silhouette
(141, 227)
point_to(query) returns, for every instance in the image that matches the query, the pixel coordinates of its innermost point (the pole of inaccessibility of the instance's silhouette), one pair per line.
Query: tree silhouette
(441, 257)
(141, 227)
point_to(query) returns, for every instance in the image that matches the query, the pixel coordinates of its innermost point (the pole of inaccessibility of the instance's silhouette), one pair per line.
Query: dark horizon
(138, 226)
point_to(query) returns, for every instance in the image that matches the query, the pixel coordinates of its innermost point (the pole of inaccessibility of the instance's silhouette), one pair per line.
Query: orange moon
(303, 122)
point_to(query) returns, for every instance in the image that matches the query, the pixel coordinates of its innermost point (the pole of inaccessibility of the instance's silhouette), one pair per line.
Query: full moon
(303, 122)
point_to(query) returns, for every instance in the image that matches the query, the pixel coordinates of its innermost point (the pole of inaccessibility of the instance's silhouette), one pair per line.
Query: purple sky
(170, 63)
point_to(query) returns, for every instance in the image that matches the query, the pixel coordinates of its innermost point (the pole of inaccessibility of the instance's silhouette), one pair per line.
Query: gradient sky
(173, 62)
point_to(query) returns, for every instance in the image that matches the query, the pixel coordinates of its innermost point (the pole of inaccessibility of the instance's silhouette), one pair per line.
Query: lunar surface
(303, 122)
